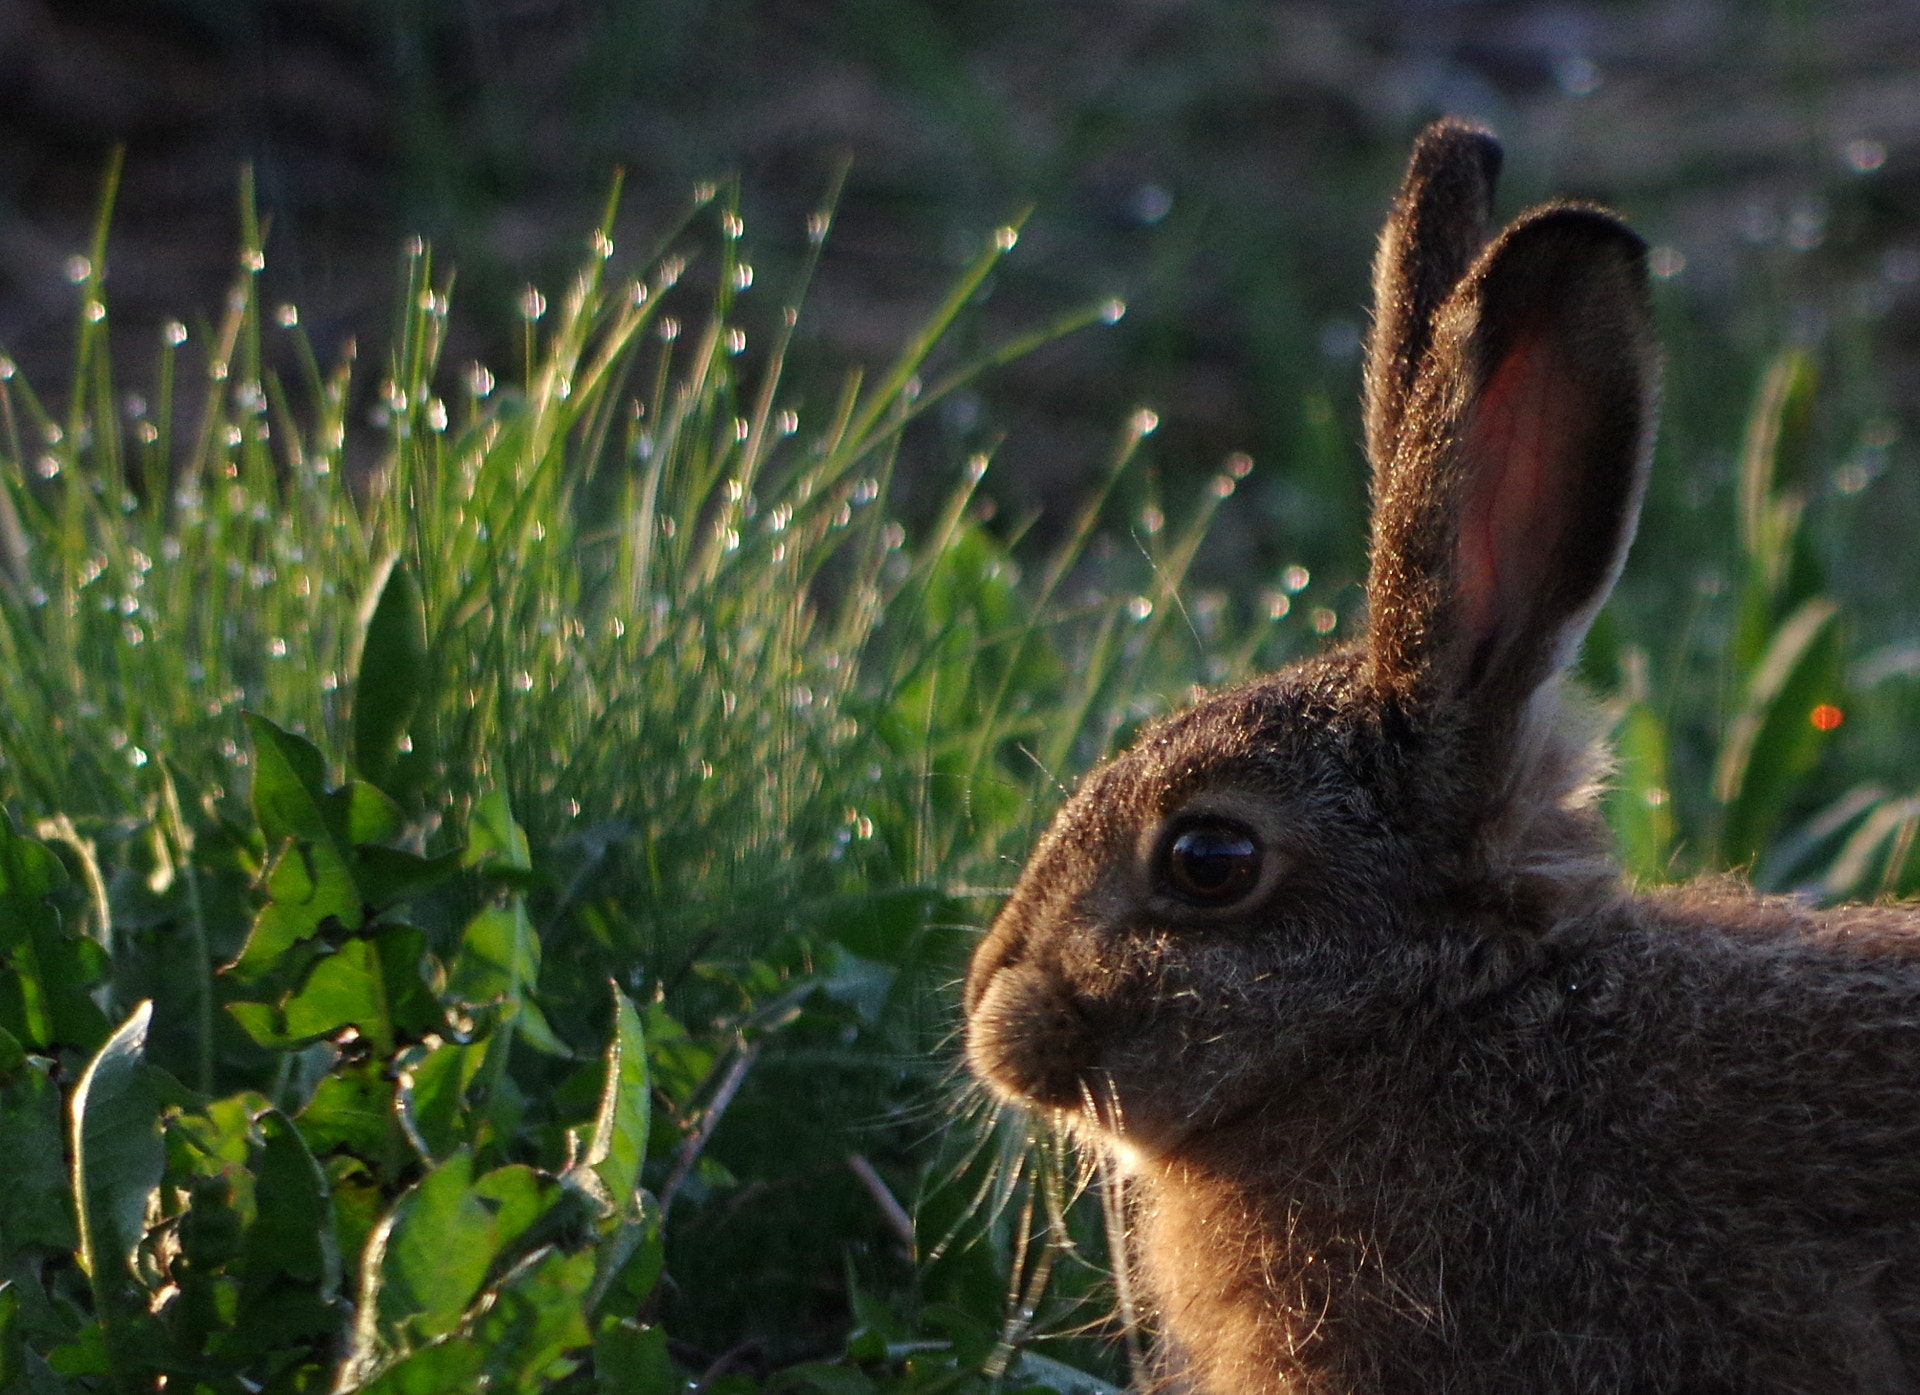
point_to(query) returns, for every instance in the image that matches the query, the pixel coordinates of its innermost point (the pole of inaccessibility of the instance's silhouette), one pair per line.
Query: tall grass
(372, 717)
(630, 635)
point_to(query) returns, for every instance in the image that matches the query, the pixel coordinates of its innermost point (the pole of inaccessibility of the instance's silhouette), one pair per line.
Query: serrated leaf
(392, 674)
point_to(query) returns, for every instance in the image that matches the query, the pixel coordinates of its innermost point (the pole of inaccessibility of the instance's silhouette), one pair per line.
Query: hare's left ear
(1503, 514)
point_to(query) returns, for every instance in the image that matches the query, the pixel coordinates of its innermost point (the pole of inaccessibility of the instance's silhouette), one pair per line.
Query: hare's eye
(1211, 864)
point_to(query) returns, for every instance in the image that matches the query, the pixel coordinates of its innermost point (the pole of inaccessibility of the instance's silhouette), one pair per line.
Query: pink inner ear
(1519, 445)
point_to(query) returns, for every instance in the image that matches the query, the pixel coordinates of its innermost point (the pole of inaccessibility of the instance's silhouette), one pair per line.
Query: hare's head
(1281, 873)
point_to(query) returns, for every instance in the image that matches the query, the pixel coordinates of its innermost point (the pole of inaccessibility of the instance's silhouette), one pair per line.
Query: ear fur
(1509, 494)
(1441, 218)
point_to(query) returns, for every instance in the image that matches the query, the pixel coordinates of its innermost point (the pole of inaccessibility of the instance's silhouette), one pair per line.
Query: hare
(1409, 1091)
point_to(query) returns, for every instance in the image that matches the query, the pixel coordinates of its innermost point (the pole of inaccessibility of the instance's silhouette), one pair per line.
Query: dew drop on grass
(174, 333)
(78, 268)
(277, 647)
(1113, 311)
(532, 304)
(479, 379)
(95, 312)
(47, 467)
(1004, 238)
(1144, 421)
(1139, 608)
(523, 681)
(1295, 579)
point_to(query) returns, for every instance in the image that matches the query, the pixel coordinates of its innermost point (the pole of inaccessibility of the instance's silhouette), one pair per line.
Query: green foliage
(528, 850)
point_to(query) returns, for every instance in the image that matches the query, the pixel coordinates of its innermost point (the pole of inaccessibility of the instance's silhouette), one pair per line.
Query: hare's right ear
(1510, 476)
(1441, 219)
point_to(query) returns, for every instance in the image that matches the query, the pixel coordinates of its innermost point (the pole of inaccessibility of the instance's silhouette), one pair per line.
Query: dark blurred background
(1222, 166)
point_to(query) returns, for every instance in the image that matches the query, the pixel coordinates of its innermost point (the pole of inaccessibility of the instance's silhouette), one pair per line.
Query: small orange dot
(1826, 717)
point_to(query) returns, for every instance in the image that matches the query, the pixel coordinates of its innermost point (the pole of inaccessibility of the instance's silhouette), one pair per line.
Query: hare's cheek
(1027, 1039)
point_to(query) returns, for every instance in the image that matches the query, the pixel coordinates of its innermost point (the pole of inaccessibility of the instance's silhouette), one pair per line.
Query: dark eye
(1211, 864)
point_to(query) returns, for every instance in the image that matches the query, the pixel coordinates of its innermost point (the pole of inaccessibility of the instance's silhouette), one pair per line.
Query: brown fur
(1438, 1105)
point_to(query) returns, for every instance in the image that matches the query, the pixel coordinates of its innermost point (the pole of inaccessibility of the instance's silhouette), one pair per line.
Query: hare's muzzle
(1027, 1039)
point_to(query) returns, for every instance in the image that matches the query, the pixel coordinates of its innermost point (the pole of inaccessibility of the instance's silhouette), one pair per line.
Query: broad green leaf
(388, 875)
(1772, 741)
(28, 869)
(118, 1159)
(359, 813)
(393, 672)
(289, 784)
(308, 884)
(447, 1368)
(419, 1275)
(494, 840)
(345, 988)
(520, 1196)
(619, 1143)
(499, 956)
(537, 1316)
(36, 1205)
(629, 1359)
(432, 1097)
(351, 1109)
(292, 1233)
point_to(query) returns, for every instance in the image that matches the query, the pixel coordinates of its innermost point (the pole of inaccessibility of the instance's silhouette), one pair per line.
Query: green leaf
(345, 988)
(521, 1197)
(351, 1109)
(388, 875)
(36, 1209)
(393, 672)
(292, 1233)
(1640, 801)
(629, 1359)
(537, 1316)
(309, 884)
(28, 869)
(432, 1096)
(118, 1159)
(359, 813)
(494, 840)
(619, 1143)
(289, 783)
(420, 1274)
(1772, 742)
